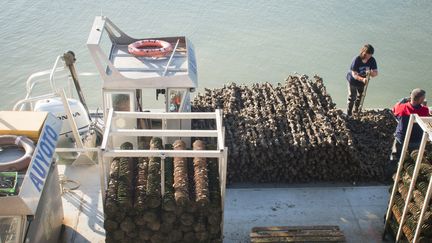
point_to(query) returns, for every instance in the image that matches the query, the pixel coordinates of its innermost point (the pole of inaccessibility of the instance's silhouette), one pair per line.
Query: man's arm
(374, 68)
(358, 77)
(399, 109)
(425, 111)
(394, 109)
(355, 66)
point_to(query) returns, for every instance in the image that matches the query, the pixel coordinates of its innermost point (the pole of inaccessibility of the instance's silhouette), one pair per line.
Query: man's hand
(364, 80)
(373, 73)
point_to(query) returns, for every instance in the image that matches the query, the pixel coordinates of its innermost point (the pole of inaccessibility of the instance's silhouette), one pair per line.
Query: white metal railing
(29, 100)
(50, 76)
(162, 153)
(107, 151)
(425, 124)
(165, 115)
(57, 72)
(184, 76)
(165, 133)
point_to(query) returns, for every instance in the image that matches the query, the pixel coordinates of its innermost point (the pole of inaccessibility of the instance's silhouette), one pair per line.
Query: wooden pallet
(309, 234)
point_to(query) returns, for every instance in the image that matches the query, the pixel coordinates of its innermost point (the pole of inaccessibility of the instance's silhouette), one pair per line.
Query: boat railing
(57, 74)
(52, 76)
(119, 68)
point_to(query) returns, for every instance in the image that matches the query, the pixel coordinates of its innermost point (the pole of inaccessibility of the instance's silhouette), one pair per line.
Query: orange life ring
(24, 161)
(150, 48)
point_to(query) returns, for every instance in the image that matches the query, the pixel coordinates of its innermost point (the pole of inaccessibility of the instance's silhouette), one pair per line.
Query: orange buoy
(150, 48)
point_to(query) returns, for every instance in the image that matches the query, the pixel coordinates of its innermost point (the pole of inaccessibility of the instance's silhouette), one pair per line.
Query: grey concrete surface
(358, 211)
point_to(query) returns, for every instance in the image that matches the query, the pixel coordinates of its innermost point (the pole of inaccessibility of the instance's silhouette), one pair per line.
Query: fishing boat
(61, 196)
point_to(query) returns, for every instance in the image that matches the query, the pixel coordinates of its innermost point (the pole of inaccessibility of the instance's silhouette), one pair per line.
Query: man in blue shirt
(361, 66)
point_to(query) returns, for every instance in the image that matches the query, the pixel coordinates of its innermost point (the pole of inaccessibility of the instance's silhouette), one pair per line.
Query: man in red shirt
(402, 111)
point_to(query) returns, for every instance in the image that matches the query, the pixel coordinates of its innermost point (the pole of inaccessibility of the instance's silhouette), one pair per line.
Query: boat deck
(357, 210)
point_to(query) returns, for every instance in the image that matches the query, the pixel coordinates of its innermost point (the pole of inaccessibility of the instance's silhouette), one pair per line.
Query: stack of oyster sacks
(418, 197)
(293, 132)
(190, 210)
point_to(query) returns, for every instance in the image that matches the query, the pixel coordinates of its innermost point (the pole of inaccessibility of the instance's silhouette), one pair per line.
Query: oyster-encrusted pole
(181, 185)
(200, 176)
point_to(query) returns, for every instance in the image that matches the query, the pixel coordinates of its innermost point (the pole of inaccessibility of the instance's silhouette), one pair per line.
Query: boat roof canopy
(122, 70)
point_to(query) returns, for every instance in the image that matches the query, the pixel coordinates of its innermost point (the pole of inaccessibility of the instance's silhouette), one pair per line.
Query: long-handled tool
(363, 95)
(69, 59)
(90, 139)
